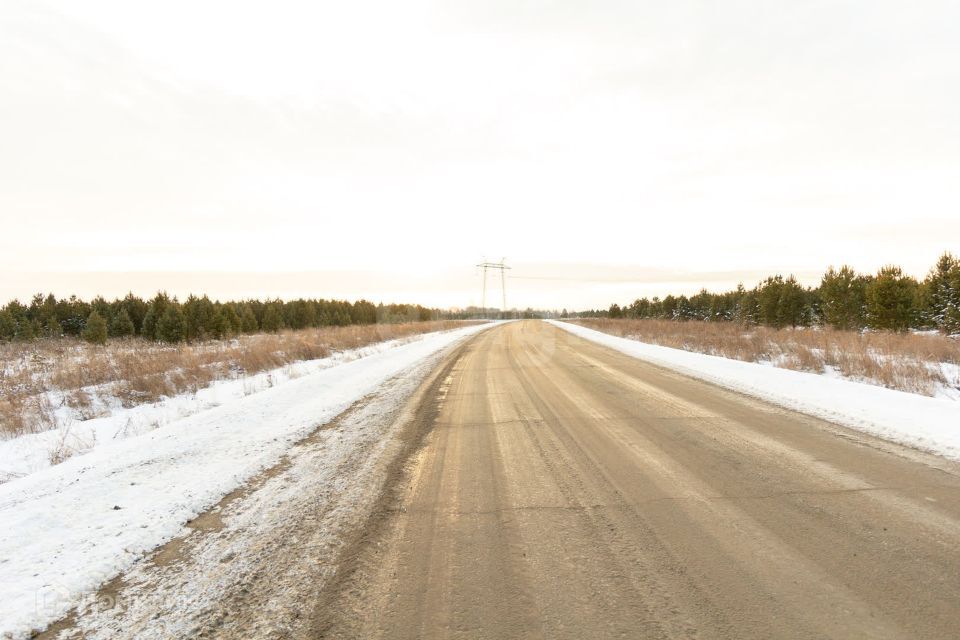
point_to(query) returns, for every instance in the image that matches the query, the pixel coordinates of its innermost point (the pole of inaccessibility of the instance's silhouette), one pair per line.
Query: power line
(599, 280)
(512, 277)
(503, 281)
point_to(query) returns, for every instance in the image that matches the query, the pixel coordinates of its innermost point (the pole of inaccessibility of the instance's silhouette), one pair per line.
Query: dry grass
(905, 361)
(35, 376)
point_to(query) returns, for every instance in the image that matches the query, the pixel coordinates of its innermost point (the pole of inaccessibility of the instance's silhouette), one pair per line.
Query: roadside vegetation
(41, 380)
(924, 363)
(888, 300)
(166, 319)
(886, 328)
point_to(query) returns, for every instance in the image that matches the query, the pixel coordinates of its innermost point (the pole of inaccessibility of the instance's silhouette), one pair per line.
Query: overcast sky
(607, 149)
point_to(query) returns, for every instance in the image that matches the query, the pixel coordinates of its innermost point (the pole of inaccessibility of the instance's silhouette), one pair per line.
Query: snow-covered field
(930, 424)
(27, 454)
(68, 528)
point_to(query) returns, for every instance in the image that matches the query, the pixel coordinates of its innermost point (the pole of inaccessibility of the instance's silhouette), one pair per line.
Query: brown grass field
(904, 361)
(135, 371)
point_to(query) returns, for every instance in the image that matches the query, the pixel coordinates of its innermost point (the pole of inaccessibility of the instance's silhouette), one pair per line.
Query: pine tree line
(165, 319)
(888, 300)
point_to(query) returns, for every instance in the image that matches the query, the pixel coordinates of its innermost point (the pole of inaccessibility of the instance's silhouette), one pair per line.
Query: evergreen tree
(148, 328)
(73, 314)
(95, 331)
(951, 315)
(614, 311)
(843, 298)
(363, 312)
(300, 314)
(272, 318)
(746, 308)
(890, 300)
(151, 318)
(941, 295)
(8, 325)
(233, 320)
(222, 326)
(36, 311)
(248, 320)
(171, 327)
(768, 301)
(792, 305)
(200, 315)
(101, 306)
(25, 331)
(52, 328)
(640, 308)
(668, 308)
(136, 310)
(122, 325)
(48, 316)
(43, 313)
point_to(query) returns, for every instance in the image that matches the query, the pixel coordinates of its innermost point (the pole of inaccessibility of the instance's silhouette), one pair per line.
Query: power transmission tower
(503, 282)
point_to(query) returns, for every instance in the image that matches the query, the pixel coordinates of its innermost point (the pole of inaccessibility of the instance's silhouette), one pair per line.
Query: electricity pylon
(503, 282)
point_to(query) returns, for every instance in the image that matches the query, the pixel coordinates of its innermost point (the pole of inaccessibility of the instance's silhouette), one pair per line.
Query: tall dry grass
(904, 361)
(37, 378)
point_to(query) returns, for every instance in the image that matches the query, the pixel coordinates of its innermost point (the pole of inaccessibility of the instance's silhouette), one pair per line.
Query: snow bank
(27, 454)
(67, 529)
(931, 424)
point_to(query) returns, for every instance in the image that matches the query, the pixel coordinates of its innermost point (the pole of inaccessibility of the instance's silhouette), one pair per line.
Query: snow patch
(27, 454)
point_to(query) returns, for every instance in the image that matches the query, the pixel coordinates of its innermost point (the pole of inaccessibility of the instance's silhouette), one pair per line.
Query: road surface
(563, 490)
(532, 484)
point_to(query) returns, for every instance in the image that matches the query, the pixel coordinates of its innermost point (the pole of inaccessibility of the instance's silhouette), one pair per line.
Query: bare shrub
(13, 415)
(22, 414)
(133, 371)
(81, 401)
(904, 361)
(800, 357)
(67, 444)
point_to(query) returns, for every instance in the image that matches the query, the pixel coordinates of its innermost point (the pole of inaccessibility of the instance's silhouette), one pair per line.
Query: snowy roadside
(69, 528)
(27, 454)
(930, 424)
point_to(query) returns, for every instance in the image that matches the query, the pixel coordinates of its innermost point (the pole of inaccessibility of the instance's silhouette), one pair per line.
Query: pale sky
(608, 150)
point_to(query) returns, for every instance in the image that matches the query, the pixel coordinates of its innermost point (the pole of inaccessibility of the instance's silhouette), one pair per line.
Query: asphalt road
(563, 490)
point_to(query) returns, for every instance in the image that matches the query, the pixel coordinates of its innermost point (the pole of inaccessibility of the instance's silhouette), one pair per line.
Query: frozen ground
(27, 454)
(69, 528)
(931, 424)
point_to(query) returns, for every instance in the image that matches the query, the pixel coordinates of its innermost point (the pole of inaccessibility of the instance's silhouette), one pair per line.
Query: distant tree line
(165, 319)
(495, 313)
(844, 299)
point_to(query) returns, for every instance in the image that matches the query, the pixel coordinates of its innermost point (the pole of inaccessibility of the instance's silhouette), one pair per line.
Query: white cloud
(299, 136)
